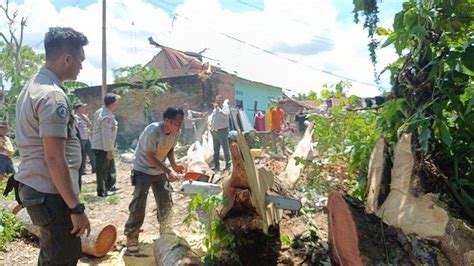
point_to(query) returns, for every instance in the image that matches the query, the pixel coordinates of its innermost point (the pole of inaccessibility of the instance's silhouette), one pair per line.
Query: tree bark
(421, 216)
(378, 178)
(172, 250)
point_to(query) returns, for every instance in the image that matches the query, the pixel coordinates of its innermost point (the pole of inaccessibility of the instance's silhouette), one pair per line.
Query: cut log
(378, 179)
(173, 250)
(343, 238)
(97, 244)
(304, 148)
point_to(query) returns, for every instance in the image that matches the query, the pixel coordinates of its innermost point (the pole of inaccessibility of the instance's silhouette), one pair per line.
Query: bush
(10, 228)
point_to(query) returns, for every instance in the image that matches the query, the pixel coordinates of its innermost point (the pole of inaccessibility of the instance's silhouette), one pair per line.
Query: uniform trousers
(105, 172)
(51, 214)
(164, 202)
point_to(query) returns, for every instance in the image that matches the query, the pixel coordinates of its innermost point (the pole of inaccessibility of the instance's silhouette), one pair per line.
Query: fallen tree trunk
(172, 250)
(97, 244)
(407, 207)
(304, 148)
(247, 208)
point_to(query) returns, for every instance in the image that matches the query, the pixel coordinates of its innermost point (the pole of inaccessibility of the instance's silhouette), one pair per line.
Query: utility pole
(104, 51)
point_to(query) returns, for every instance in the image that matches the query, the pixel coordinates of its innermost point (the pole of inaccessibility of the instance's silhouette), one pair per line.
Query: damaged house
(189, 80)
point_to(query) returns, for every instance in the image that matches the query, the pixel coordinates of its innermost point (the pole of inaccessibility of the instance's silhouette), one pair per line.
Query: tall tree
(17, 61)
(432, 92)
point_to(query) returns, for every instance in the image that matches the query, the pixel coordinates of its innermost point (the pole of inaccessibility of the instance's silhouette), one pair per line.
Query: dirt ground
(303, 238)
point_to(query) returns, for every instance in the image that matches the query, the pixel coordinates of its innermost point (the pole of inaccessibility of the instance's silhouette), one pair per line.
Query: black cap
(3, 124)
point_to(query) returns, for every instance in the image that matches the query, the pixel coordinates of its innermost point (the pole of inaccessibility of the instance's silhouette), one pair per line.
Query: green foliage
(345, 137)
(217, 237)
(10, 228)
(369, 9)
(28, 64)
(433, 83)
(143, 77)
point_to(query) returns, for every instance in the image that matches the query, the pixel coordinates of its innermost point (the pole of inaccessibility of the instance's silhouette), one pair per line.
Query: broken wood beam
(303, 149)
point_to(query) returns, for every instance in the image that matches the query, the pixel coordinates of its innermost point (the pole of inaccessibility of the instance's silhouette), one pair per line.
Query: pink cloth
(260, 121)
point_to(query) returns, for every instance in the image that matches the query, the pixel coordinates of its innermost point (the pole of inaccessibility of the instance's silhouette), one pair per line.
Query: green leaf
(445, 135)
(382, 31)
(467, 58)
(359, 5)
(410, 18)
(424, 137)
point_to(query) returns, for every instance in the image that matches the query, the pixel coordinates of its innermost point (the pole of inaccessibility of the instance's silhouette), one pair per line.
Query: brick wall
(198, 92)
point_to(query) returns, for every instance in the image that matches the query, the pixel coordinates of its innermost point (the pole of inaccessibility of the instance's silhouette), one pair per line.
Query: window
(237, 92)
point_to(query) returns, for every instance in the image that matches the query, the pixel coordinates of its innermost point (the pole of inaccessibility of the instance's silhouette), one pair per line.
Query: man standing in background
(220, 132)
(104, 134)
(84, 126)
(190, 119)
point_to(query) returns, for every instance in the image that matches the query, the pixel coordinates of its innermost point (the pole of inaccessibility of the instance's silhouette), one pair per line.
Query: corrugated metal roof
(178, 60)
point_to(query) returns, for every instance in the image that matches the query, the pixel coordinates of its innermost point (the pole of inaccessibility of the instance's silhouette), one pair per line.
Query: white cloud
(201, 24)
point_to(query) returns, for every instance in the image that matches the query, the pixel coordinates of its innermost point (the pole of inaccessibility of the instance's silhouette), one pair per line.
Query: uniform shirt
(43, 110)
(6, 147)
(82, 126)
(155, 140)
(104, 131)
(220, 118)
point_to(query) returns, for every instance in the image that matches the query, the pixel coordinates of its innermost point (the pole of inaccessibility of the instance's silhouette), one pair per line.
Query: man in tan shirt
(104, 134)
(50, 151)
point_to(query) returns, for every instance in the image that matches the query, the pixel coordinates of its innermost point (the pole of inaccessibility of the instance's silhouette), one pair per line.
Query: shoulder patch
(61, 110)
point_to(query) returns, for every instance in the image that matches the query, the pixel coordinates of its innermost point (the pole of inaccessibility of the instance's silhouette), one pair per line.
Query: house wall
(198, 93)
(248, 92)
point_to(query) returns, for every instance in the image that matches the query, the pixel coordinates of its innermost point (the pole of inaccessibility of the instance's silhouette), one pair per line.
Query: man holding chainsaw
(156, 143)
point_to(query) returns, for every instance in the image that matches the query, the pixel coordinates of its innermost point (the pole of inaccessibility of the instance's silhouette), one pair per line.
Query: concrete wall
(248, 92)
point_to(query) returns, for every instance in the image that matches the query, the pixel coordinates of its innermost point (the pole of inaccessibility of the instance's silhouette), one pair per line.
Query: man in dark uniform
(50, 151)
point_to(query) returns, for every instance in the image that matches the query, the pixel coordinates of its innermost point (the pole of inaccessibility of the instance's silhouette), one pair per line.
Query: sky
(293, 44)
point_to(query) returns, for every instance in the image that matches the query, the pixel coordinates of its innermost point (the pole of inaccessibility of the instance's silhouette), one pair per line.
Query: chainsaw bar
(283, 202)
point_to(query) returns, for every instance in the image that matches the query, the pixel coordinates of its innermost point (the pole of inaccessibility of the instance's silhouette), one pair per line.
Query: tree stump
(415, 212)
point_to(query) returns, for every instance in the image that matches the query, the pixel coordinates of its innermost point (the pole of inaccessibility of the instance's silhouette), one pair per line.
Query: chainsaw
(190, 185)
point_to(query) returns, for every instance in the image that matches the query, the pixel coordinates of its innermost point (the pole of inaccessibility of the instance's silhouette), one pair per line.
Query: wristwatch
(79, 209)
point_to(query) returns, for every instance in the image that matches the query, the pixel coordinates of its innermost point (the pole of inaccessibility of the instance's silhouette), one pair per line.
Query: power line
(273, 53)
(320, 38)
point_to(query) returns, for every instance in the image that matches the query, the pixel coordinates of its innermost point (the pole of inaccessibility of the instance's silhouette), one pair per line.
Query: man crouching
(156, 143)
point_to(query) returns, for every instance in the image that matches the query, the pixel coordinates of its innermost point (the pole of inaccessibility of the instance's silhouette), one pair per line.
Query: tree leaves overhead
(433, 84)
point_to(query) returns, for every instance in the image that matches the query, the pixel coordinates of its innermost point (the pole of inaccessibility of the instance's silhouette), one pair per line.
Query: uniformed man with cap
(50, 151)
(84, 125)
(104, 134)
